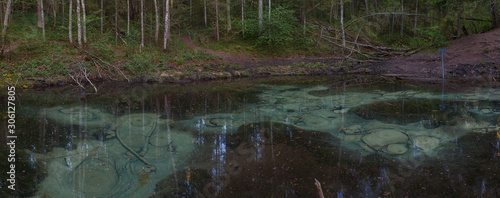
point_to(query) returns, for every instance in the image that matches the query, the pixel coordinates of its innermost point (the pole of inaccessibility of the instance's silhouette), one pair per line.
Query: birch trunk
(39, 14)
(84, 22)
(166, 36)
(79, 24)
(70, 22)
(228, 15)
(217, 18)
(205, 11)
(142, 24)
(5, 22)
(43, 19)
(261, 9)
(157, 29)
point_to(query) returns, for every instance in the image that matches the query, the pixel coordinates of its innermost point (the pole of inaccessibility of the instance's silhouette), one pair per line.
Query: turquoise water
(359, 137)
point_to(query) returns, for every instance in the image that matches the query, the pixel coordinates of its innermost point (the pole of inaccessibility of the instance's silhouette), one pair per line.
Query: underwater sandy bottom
(136, 151)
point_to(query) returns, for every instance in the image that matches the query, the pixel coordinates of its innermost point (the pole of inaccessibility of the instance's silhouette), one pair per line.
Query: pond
(286, 137)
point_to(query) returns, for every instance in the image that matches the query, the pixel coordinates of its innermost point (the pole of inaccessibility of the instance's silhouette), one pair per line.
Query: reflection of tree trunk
(5, 22)
(494, 14)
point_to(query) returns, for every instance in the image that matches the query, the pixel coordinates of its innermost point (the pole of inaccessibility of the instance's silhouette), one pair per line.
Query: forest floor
(249, 61)
(473, 56)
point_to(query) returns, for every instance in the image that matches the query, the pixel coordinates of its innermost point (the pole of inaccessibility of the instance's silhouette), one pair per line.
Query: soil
(472, 56)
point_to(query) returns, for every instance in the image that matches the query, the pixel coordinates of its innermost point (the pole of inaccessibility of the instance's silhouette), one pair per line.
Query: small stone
(381, 139)
(396, 149)
(486, 111)
(354, 129)
(352, 138)
(426, 143)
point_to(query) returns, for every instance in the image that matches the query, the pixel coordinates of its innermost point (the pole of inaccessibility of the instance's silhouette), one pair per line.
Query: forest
(42, 38)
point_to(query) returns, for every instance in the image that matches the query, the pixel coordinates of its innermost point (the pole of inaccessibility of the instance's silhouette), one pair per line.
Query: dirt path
(249, 61)
(472, 56)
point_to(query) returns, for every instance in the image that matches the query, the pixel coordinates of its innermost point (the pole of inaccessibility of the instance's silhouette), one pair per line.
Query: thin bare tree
(84, 22)
(54, 12)
(70, 24)
(79, 24)
(5, 23)
(128, 17)
(205, 11)
(43, 18)
(217, 19)
(261, 10)
(157, 19)
(142, 24)
(166, 36)
(228, 5)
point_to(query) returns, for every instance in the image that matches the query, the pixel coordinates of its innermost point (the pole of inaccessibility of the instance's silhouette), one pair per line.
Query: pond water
(357, 136)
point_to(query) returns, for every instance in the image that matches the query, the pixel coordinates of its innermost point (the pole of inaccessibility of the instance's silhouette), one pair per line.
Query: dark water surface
(358, 136)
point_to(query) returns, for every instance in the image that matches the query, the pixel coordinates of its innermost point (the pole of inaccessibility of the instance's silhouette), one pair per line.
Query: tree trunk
(79, 24)
(70, 22)
(157, 19)
(416, 12)
(205, 11)
(228, 15)
(39, 14)
(217, 19)
(494, 14)
(102, 16)
(128, 17)
(190, 9)
(402, 19)
(5, 22)
(269, 11)
(62, 2)
(84, 22)
(55, 13)
(342, 22)
(331, 12)
(116, 22)
(43, 19)
(142, 24)
(243, 17)
(261, 10)
(366, 6)
(166, 36)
